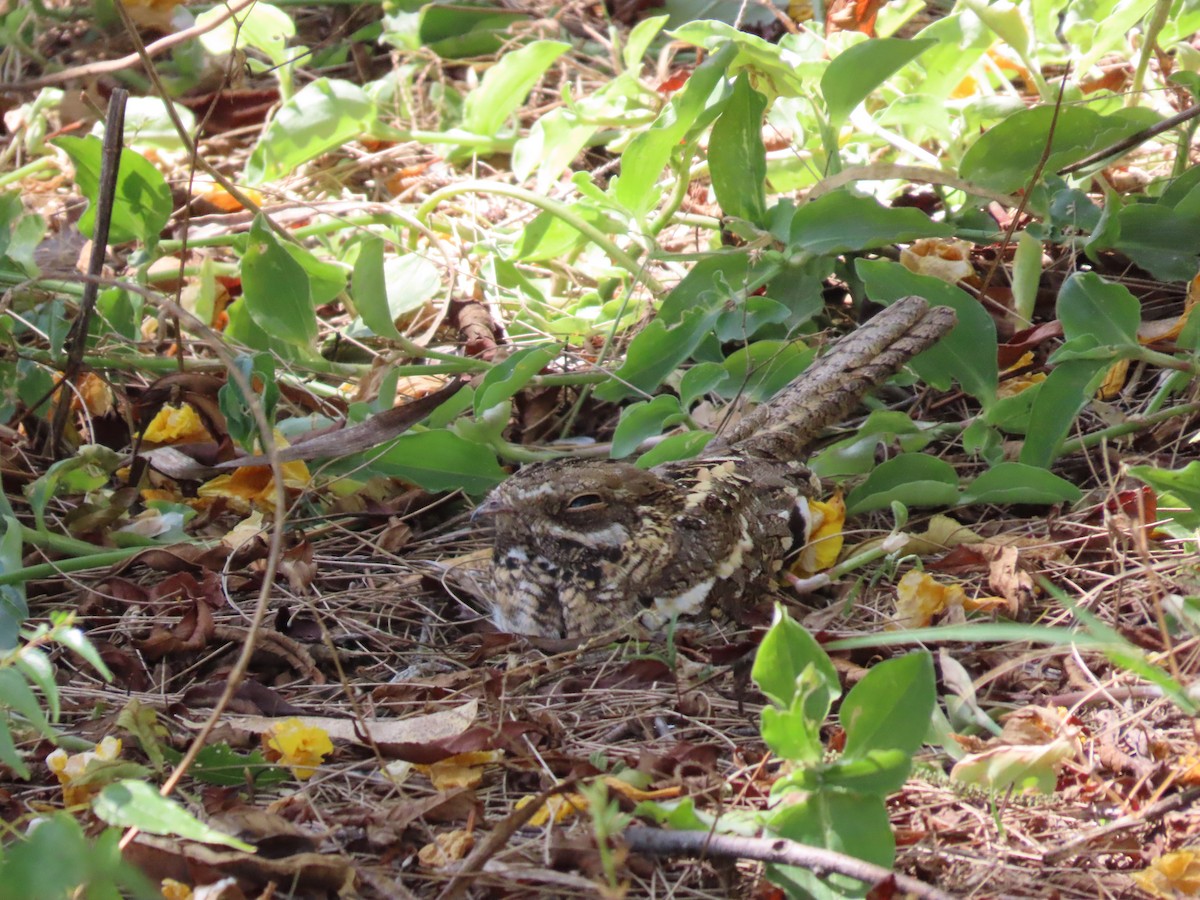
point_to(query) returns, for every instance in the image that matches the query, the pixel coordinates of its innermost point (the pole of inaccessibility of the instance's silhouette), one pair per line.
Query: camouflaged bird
(582, 546)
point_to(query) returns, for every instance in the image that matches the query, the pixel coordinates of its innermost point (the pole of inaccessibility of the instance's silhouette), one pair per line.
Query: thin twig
(781, 851)
(110, 166)
(108, 66)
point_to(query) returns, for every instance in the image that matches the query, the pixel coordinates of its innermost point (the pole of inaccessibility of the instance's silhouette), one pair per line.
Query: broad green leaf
(142, 204)
(913, 479)
(677, 446)
(846, 822)
(872, 771)
(1010, 482)
(35, 665)
(220, 764)
(549, 237)
(1027, 274)
(792, 733)
(16, 696)
(459, 31)
(9, 754)
(411, 281)
(1006, 20)
(700, 379)
(276, 290)
(504, 380)
(858, 70)
(551, 145)
(786, 652)
(775, 69)
(753, 315)
(647, 154)
(135, 804)
(326, 280)
(643, 420)
(1163, 241)
(890, 708)
(1183, 483)
(80, 868)
(14, 608)
(440, 461)
(737, 159)
(322, 116)
(762, 369)
(1060, 398)
(148, 124)
(655, 352)
(505, 85)
(262, 27)
(708, 283)
(369, 290)
(638, 42)
(1090, 306)
(966, 355)
(856, 455)
(842, 223)
(1005, 157)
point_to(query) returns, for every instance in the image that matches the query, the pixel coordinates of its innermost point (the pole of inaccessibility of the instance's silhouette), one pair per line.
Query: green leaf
(135, 804)
(384, 290)
(440, 461)
(276, 290)
(750, 317)
(638, 42)
(14, 608)
(222, 765)
(1005, 156)
(762, 369)
(460, 31)
(847, 822)
(678, 446)
(9, 754)
(913, 479)
(655, 352)
(504, 380)
(96, 871)
(142, 204)
(737, 158)
(842, 223)
(967, 354)
(506, 84)
(1183, 483)
(1089, 306)
(643, 420)
(793, 734)
(262, 27)
(890, 708)
(856, 455)
(859, 69)
(648, 153)
(1059, 399)
(323, 116)
(874, 771)
(16, 696)
(369, 290)
(783, 656)
(1163, 241)
(1010, 482)
(700, 379)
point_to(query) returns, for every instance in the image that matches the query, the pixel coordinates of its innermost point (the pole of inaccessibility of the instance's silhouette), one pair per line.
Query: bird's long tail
(832, 386)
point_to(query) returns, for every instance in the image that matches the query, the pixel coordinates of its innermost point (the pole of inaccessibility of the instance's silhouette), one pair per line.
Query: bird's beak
(490, 507)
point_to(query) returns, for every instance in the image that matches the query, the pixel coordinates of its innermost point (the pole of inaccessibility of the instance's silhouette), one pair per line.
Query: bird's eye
(584, 501)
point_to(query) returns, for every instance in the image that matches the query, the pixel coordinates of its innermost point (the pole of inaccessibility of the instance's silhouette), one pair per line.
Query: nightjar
(582, 546)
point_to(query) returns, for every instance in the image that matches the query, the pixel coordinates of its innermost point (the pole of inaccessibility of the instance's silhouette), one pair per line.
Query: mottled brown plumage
(586, 545)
